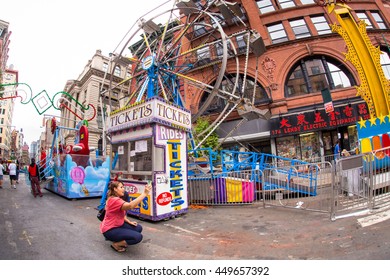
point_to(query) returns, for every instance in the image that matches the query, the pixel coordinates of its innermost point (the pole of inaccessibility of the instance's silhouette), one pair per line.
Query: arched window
(255, 93)
(313, 74)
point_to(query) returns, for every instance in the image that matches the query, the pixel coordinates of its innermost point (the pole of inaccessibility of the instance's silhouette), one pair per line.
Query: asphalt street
(55, 228)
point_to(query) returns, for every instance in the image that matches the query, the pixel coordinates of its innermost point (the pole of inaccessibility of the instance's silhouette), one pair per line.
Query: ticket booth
(149, 142)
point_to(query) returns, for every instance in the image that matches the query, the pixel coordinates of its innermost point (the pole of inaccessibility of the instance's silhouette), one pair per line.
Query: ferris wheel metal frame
(163, 61)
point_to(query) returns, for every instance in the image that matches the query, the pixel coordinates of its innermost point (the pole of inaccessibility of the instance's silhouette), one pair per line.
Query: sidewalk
(55, 228)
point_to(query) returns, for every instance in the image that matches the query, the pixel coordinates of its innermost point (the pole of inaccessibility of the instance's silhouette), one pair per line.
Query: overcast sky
(52, 41)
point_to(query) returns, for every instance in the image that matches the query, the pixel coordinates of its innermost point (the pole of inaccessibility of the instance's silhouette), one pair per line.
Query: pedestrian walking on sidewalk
(1, 173)
(17, 171)
(12, 174)
(33, 175)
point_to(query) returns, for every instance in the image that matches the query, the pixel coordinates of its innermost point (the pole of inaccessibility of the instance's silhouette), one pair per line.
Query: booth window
(141, 155)
(138, 156)
(120, 153)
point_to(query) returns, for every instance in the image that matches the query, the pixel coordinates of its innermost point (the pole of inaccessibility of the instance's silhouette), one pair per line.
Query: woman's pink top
(115, 217)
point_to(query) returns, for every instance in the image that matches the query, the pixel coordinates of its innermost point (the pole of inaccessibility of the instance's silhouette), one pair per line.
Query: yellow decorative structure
(374, 88)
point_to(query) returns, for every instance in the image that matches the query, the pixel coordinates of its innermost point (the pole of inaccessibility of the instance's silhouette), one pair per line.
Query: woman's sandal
(118, 250)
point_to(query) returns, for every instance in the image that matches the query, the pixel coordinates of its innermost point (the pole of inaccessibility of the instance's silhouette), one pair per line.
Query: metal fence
(362, 183)
(225, 188)
(358, 183)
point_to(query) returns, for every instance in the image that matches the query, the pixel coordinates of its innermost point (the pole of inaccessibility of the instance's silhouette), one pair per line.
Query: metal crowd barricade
(362, 184)
(299, 189)
(225, 188)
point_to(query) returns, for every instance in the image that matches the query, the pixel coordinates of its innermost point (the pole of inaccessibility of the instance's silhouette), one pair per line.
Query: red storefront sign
(318, 120)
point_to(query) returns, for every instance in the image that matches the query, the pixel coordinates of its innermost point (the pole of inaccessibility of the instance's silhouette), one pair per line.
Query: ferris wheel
(184, 56)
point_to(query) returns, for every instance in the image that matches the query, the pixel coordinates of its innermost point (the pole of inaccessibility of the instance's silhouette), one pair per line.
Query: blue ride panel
(75, 181)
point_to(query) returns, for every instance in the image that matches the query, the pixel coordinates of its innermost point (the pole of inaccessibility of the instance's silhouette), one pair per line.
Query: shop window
(265, 6)
(379, 20)
(300, 28)
(353, 138)
(363, 16)
(310, 146)
(288, 147)
(385, 62)
(277, 33)
(318, 73)
(286, 3)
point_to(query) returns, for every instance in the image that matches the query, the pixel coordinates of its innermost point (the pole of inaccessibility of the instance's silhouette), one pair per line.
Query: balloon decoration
(78, 175)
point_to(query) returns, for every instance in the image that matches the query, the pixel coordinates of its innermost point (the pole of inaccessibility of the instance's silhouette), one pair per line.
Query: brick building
(301, 63)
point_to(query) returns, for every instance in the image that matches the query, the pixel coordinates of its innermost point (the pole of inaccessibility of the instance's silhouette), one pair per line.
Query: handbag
(101, 213)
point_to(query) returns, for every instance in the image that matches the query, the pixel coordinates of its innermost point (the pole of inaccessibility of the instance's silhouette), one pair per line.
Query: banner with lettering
(171, 186)
(317, 120)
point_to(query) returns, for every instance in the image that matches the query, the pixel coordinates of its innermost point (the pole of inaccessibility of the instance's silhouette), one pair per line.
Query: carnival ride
(68, 170)
(191, 57)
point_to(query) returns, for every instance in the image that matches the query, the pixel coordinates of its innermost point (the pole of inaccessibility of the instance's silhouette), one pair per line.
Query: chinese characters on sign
(318, 120)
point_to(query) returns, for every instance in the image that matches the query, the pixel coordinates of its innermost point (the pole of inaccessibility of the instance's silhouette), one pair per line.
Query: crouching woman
(116, 226)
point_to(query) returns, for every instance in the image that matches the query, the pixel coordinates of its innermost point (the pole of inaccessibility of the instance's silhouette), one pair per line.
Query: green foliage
(201, 125)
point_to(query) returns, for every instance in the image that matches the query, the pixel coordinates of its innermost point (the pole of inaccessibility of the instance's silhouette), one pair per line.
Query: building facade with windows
(10, 138)
(91, 96)
(303, 63)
